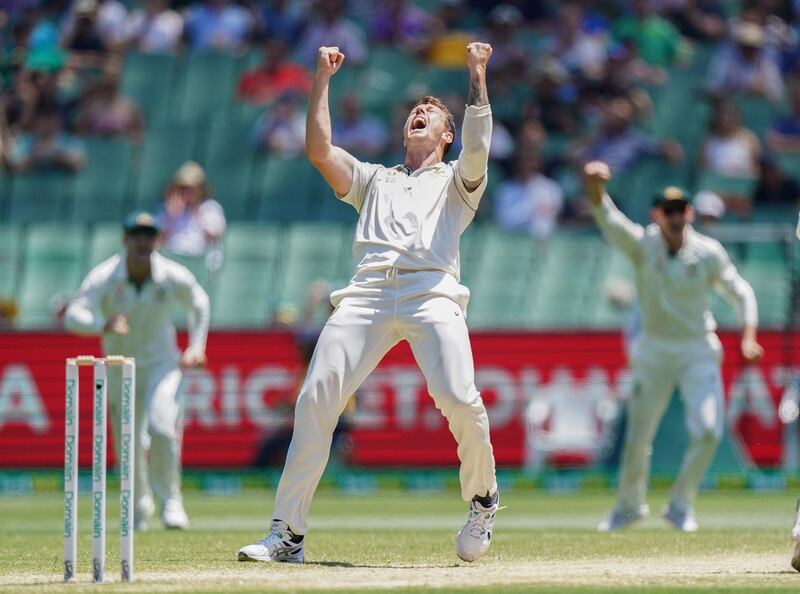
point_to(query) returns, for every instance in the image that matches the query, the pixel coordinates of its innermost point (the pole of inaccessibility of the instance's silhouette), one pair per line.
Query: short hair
(448, 117)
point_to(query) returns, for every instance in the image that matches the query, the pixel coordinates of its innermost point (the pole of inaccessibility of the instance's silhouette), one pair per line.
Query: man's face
(672, 218)
(426, 126)
(140, 245)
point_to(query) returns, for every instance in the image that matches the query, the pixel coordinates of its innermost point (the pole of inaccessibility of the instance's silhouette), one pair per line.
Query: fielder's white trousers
(159, 431)
(658, 368)
(374, 312)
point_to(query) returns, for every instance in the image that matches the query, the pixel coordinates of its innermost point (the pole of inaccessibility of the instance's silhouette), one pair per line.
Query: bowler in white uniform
(129, 300)
(406, 287)
(676, 268)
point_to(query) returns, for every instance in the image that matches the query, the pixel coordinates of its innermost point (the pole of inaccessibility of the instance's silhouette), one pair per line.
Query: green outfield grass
(404, 542)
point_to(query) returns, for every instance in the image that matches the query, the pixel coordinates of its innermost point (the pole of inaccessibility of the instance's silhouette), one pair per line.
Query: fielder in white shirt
(129, 300)
(406, 287)
(676, 268)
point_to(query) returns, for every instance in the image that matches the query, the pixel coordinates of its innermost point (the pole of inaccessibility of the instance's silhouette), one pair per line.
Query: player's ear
(656, 215)
(689, 214)
(448, 137)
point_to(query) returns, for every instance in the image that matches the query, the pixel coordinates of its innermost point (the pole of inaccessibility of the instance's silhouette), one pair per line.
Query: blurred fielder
(676, 268)
(129, 300)
(406, 287)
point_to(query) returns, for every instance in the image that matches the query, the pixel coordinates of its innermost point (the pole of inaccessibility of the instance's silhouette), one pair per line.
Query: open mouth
(418, 123)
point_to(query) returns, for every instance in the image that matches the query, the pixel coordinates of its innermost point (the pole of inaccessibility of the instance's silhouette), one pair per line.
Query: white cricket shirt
(106, 291)
(413, 220)
(674, 290)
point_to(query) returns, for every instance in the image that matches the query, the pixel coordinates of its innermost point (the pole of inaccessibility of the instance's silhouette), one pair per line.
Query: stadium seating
(246, 292)
(164, 150)
(10, 250)
(205, 85)
(53, 267)
(287, 189)
(148, 79)
(229, 166)
(102, 188)
(41, 196)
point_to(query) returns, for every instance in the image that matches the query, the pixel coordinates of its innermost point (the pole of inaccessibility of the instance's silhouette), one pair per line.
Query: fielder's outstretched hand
(329, 60)
(193, 359)
(595, 176)
(117, 324)
(751, 350)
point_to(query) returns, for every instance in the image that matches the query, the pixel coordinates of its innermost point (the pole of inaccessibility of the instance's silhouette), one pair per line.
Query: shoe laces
(479, 521)
(278, 537)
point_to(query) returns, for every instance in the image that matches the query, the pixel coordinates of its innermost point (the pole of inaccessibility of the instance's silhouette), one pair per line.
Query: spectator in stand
(581, 53)
(192, 223)
(361, 135)
(709, 208)
(218, 25)
(451, 35)
(744, 66)
(154, 28)
(9, 310)
(284, 20)
(105, 112)
(282, 130)
(657, 40)
(529, 201)
(774, 187)
(730, 149)
(94, 25)
(48, 146)
(331, 28)
(729, 159)
(276, 76)
(402, 25)
(556, 98)
(508, 54)
(620, 144)
(784, 136)
(700, 20)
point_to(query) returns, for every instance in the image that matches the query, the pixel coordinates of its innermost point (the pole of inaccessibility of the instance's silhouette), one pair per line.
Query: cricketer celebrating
(406, 287)
(675, 267)
(129, 299)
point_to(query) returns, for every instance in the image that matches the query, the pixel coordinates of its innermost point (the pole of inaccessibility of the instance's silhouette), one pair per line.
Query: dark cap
(141, 220)
(670, 195)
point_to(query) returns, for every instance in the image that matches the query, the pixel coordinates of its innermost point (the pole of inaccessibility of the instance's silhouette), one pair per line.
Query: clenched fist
(329, 60)
(595, 176)
(478, 54)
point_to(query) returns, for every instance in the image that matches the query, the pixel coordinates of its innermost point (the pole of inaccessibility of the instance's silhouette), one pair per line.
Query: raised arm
(618, 229)
(740, 294)
(333, 163)
(476, 132)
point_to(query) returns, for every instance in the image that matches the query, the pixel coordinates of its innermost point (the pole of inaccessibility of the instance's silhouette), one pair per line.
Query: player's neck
(138, 273)
(419, 157)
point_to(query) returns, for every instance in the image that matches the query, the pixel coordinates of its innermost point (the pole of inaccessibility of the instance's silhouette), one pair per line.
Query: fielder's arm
(334, 163)
(729, 283)
(83, 315)
(476, 131)
(618, 229)
(192, 296)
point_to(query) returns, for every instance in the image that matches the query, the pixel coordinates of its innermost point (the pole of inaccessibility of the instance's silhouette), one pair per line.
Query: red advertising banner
(549, 396)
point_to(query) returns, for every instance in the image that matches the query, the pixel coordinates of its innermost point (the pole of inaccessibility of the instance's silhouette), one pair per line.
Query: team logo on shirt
(160, 294)
(691, 269)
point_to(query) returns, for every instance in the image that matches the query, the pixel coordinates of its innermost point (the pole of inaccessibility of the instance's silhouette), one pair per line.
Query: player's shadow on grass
(368, 566)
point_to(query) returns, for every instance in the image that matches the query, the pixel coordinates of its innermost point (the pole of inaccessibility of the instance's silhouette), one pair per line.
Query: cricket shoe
(679, 519)
(276, 546)
(144, 509)
(474, 538)
(174, 516)
(620, 518)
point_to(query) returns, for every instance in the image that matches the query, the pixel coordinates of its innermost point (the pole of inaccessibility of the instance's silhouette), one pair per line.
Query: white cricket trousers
(658, 368)
(159, 431)
(374, 312)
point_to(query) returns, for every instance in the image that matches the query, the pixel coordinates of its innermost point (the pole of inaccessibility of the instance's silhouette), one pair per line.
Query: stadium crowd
(700, 93)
